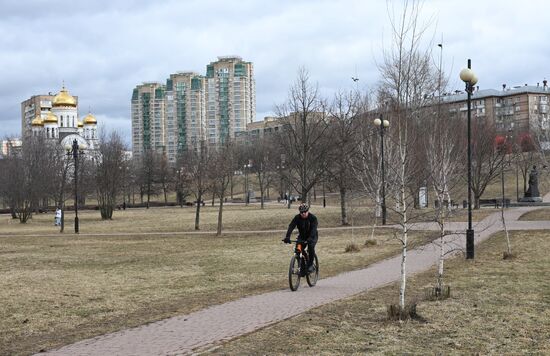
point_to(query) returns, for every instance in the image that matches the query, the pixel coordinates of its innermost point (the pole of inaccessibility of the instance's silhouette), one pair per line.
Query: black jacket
(307, 227)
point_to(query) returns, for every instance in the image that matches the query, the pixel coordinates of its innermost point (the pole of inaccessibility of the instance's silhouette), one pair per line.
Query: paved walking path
(207, 327)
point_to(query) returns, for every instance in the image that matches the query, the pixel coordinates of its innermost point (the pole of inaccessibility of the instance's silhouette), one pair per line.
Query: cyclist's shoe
(311, 269)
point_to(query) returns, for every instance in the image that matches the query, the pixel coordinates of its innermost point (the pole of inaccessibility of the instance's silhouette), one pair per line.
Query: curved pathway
(200, 330)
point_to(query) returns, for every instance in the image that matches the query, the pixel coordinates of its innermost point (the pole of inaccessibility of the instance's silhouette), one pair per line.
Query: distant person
(57, 217)
(307, 228)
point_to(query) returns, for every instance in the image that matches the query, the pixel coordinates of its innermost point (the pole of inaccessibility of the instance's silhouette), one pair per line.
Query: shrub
(371, 242)
(352, 247)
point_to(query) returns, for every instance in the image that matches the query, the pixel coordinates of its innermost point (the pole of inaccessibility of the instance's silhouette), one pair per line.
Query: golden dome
(64, 99)
(90, 120)
(37, 121)
(50, 119)
(80, 124)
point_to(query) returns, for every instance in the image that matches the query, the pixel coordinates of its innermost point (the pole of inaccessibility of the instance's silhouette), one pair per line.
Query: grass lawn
(235, 217)
(536, 215)
(497, 307)
(57, 289)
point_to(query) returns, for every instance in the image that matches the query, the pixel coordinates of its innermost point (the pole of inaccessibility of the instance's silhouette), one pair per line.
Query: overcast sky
(103, 49)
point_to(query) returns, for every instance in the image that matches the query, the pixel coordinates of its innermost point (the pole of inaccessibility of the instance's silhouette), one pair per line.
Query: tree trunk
(231, 188)
(261, 196)
(343, 206)
(441, 256)
(198, 212)
(403, 205)
(62, 228)
(148, 195)
(220, 212)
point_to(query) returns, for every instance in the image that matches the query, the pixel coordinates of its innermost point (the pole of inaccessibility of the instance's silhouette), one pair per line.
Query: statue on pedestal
(532, 194)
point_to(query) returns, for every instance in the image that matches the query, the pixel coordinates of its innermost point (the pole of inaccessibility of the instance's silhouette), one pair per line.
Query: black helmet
(303, 208)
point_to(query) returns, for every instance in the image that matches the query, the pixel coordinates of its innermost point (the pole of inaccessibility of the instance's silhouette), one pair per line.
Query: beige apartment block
(148, 118)
(521, 109)
(37, 105)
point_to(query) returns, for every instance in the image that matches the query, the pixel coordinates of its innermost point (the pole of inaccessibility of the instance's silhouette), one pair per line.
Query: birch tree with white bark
(408, 78)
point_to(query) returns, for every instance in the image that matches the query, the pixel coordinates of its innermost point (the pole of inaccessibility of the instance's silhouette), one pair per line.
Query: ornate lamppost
(383, 124)
(470, 79)
(75, 151)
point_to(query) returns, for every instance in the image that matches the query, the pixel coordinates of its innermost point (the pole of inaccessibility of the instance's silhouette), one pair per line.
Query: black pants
(311, 252)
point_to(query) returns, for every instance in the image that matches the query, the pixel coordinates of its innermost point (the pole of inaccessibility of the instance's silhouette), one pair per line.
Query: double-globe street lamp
(383, 124)
(75, 151)
(470, 79)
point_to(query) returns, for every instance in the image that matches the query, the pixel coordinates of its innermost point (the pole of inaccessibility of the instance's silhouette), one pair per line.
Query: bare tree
(110, 166)
(195, 166)
(486, 158)
(344, 116)
(223, 166)
(164, 176)
(148, 173)
(407, 80)
(28, 178)
(304, 135)
(181, 183)
(265, 159)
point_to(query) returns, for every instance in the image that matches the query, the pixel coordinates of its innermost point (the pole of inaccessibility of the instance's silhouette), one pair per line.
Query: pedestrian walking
(57, 217)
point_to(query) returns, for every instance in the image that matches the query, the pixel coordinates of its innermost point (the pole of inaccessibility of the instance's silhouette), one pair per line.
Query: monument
(532, 194)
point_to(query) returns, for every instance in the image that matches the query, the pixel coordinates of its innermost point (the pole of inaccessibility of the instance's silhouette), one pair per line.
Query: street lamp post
(383, 124)
(246, 167)
(470, 79)
(75, 151)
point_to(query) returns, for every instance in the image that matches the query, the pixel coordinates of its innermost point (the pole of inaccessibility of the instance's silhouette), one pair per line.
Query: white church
(56, 118)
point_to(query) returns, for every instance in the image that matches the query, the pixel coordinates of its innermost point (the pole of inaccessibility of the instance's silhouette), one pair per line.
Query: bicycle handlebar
(301, 241)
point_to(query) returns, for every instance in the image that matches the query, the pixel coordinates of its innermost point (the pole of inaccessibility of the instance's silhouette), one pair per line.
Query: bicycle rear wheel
(294, 273)
(314, 276)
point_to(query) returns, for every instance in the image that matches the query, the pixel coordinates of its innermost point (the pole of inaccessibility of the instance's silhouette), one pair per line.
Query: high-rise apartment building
(148, 118)
(230, 98)
(192, 108)
(185, 112)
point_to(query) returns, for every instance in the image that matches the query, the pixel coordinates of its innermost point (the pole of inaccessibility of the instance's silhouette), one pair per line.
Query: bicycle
(298, 267)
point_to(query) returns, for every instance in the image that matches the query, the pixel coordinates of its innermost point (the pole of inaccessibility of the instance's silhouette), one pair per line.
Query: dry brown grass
(57, 289)
(235, 217)
(172, 219)
(497, 307)
(536, 215)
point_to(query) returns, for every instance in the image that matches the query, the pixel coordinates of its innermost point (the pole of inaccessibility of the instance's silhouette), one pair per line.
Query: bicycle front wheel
(294, 273)
(313, 276)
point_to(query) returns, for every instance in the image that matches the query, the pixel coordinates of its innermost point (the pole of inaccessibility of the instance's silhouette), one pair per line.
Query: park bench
(453, 204)
(497, 203)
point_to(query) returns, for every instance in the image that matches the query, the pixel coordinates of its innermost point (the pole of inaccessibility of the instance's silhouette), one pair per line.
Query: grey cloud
(103, 49)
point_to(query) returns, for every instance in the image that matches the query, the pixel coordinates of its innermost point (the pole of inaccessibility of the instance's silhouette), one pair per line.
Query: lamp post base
(76, 225)
(469, 244)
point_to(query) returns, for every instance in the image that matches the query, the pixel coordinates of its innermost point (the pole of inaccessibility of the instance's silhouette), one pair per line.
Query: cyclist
(307, 227)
